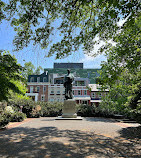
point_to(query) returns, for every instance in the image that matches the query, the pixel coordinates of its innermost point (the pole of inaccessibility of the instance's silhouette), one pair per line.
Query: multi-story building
(96, 93)
(49, 85)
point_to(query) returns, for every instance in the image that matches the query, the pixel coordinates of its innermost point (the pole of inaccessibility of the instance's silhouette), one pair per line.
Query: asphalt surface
(87, 138)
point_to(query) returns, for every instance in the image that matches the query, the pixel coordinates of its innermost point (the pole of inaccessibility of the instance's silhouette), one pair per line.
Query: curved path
(87, 138)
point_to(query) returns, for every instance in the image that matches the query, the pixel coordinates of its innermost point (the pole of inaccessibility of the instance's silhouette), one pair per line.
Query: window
(58, 99)
(85, 92)
(32, 79)
(51, 99)
(52, 92)
(58, 92)
(42, 97)
(44, 88)
(73, 92)
(44, 79)
(38, 79)
(85, 102)
(31, 89)
(79, 92)
(99, 95)
(93, 95)
(38, 88)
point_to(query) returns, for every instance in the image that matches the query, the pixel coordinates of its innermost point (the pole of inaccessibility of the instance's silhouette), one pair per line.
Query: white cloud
(92, 62)
(89, 60)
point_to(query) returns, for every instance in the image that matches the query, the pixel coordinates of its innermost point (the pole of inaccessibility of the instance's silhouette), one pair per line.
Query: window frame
(79, 91)
(43, 97)
(38, 79)
(37, 88)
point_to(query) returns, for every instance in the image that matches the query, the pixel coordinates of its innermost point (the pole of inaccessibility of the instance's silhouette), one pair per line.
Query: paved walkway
(89, 138)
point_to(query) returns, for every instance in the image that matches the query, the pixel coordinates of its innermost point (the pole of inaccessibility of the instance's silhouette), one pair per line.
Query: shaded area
(133, 133)
(99, 119)
(49, 142)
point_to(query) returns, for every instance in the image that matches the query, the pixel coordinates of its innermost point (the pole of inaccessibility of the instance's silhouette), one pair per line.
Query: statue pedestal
(69, 111)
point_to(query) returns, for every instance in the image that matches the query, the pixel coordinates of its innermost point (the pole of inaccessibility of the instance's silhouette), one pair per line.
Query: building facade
(49, 87)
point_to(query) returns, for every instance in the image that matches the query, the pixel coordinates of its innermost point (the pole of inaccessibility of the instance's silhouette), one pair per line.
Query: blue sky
(37, 56)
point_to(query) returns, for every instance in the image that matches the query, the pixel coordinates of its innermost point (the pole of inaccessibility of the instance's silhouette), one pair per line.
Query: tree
(38, 70)
(10, 72)
(80, 22)
(29, 69)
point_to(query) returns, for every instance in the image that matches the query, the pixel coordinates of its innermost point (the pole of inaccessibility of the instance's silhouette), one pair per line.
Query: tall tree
(10, 71)
(29, 69)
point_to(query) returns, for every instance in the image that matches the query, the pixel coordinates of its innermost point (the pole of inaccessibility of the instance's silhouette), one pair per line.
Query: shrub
(17, 117)
(85, 110)
(49, 109)
(30, 109)
(4, 119)
(9, 110)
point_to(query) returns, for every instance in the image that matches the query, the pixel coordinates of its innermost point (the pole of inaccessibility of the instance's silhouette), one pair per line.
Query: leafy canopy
(10, 73)
(29, 69)
(79, 22)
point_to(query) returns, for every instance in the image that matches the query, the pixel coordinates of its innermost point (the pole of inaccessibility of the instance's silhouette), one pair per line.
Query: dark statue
(68, 85)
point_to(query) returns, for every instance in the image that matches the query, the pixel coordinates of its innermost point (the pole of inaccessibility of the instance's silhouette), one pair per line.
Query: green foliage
(50, 109)
(29, 108)
(80, 22)
(17, 117)
(95, 111)
(4, 120)
(9, 72)
(29, 69)
(8, 110)
(86, 110)
(37, 71)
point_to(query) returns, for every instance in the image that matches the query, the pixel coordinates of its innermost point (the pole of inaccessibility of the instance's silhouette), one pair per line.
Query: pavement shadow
(99, 119)
(131, 133)
(49, 142)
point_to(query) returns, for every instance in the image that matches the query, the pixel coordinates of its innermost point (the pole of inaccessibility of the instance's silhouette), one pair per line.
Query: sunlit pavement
(87, 138)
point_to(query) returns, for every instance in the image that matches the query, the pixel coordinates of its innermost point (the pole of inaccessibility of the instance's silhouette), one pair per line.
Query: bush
(94, 111)
(30, 108)
(49, 109)
(4, 119)
(17, 117)
(85, 110)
